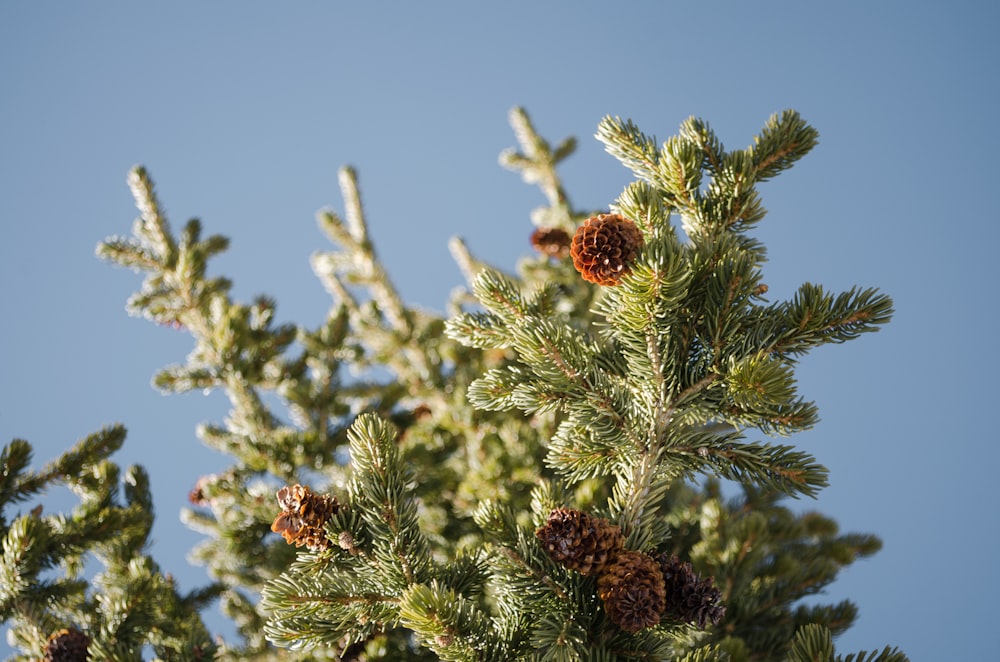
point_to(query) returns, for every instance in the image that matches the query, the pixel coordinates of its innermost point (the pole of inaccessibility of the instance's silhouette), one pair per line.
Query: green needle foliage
(126, 608)
(439, 448)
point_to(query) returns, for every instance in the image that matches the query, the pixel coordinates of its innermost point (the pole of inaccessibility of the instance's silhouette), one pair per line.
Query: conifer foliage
(533, 476)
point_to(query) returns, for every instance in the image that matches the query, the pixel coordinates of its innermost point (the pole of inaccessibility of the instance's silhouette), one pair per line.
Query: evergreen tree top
(522, 479)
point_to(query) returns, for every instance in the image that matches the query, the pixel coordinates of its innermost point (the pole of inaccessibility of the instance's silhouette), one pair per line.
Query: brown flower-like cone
(197, 494)
(690, 598)
(553, 242)
(303, 516)
(632, 590)
(604, 247)
(67, 645)
(580, 541)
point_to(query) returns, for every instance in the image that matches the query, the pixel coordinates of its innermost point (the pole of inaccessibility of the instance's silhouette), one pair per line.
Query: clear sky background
(243, 111)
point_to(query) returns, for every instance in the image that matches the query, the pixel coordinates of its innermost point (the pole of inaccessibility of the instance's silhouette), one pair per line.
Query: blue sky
(244, 111)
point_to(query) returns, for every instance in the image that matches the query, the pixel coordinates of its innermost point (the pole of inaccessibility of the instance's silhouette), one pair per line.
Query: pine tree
(534, 475)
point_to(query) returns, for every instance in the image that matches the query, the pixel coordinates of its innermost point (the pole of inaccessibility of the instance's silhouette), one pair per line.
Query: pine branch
(636, 151)
(380, 494)
(128, 606)
(785, 139)
(814, 317)
(537, 164)
(449, 624)
(395, 335)
(813, 643)
(239, 349)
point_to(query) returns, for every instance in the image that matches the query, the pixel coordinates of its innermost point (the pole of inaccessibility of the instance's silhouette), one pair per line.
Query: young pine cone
(67, 645)
(303, 516)
(690, 598)
(580, 541)
(604, 247)
(553, 242)
(633, 592)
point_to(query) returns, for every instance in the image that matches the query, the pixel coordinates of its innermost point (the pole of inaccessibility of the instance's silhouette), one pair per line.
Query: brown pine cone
(197, 494)
(303, 516)
(604, 247)
(580, 541)
(67, 645)
(553, 242)
(690, 598)
(632, 591)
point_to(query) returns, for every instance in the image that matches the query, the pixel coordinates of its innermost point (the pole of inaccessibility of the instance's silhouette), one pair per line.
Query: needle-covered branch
(123, 609)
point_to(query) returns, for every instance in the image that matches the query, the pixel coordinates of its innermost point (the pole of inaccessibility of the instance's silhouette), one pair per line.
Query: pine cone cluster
(67, 645)
(580, 541)
(604, 247)
(690, 598)
(637, 589)
(303, 516)
(553, 242)
(633, 591)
